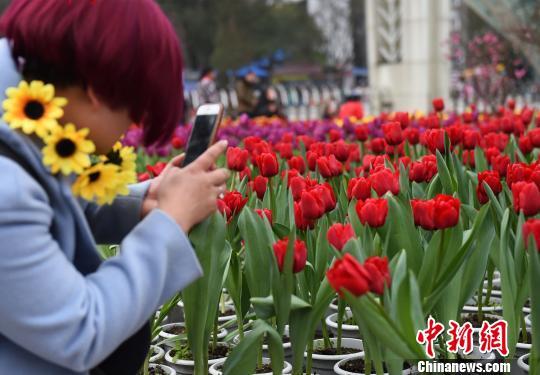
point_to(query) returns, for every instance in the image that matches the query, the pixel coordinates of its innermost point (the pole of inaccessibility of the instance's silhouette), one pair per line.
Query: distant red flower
(341, 150)
(434, 140)
(438, 213)
(285, 150)
(377, 145)
(372, 211)
(525, 144)
(297, 186)
(299, 254)
(300, 221)
(265, 212)
(532, 228)
(312, 205)
(424, 169)
(259, 186)
(379, 274)
(298, 163)
(339, 234)
(178, 142)
(348, 274)
(493, 180)
(526, 198)
(268, 164)
(471, 139)
(157, 168)
(393, 134)
(383, 180)
(329, 166)
(412, 135)
(237, 158)
(468, 158)
(359, 188)
(438, 104)
(143, 177)
(334, 135)
(534, 136)
(402, 118)
(361, 132)
(500, 163)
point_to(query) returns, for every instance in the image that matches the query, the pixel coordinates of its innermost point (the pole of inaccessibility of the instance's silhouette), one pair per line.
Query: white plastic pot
(286, 345)
(522, 364)
(157, 353)
(323, 364)
(168, 370)
(347, 330)
(472, 306)
(338, 370)
(168, 336)
(215, 369)
(528, 321)
(183, 366)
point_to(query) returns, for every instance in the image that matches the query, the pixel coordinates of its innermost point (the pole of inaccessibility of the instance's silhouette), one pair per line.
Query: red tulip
(379, 274)
(311, 158)
(289, 174)
(392, 133)
(372, 211)
(532, 228)
(423, 212)
(468, 158)
(424, 169)
(339, 234)
(438, 104)
(300, 221)
(237, 158)
(471, 139)
(250, 142)
(348, 274)
(156, 169)
(383, 180)
(341, 150)
(377, 145)
(361, 132)
(534, 136)
(141, 177)
(412, 135)
(327, 195)
(297, 185)
(224, 209)
(402, 118)
(259, 185)
(434, 139)
(446, 211)
(329, 166)
(359, 188)
(299, 254)
(268, 164)
(511, 103)
(298, 163)
(312, 205)
(526, 198)
(178, 142)
(527, 115)
(525, 144)
(334, 135)
(491, 178)
(235, 201)
(265, 212)
(518, 172)
(500, 164)
(285, 150)
(245, 173)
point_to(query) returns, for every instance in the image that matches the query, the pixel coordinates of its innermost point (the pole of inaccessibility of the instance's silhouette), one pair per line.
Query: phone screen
(200, 137)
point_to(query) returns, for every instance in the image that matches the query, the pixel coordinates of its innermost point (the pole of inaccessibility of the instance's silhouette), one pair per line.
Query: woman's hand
(189, 195)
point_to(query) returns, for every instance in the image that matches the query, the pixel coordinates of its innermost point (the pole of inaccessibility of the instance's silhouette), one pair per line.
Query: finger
(219, 176)
(220, 191)
(206, 160)
(175, 162)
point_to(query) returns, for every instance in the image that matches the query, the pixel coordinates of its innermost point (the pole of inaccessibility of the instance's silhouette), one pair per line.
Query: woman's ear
(93, 98)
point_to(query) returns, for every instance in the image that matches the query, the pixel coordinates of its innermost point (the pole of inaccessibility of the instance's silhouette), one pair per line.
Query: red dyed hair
(126, 50)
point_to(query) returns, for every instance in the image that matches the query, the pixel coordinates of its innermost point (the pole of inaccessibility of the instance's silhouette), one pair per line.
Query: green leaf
(448, 184)
(480, 161)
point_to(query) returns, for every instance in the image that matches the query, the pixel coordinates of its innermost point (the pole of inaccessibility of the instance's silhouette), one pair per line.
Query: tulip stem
(524, 336)
(272, 195)
(233, 177)
(309, 359)
(341, 313)
(326, 339)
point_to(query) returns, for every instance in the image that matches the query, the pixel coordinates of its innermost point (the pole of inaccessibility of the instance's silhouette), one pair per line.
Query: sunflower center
(65, 148)
(113, 157)
(34, 110)
(93, 177)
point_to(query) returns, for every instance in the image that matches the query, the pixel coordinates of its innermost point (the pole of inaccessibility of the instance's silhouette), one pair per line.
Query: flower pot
(477, 355)
(523, 363)
(527, 309)
(494, 292)
(158, 353)
(185, 366)
(286, 345)
(496, 282)
(523, 348)
(528, 321)
(168, 370)
(169, 336)
(215, 369)
(340, 371)
(347, 330)
(472, 306)
(323, 364)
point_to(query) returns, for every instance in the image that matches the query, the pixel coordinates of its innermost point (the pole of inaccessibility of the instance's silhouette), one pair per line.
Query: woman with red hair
(110, 63)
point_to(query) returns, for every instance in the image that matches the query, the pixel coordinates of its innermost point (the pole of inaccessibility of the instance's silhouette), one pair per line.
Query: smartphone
(204, 130)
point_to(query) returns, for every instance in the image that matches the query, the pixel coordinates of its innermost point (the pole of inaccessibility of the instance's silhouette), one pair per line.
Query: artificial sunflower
(100, 183)
(67, 150)
(124, 157)
(33, 108)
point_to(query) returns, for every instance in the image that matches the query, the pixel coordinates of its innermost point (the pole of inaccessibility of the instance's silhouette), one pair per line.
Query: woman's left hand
(150, 201)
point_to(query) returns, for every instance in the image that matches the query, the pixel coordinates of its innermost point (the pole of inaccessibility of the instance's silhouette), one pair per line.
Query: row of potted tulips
(418, 217)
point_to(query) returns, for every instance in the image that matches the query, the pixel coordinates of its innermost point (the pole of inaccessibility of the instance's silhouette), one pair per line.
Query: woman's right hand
(189, 195)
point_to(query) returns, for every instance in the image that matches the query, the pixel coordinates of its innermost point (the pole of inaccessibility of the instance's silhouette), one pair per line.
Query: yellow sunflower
(124, 157)
(99, 183)
(67, 150)
(33, 108)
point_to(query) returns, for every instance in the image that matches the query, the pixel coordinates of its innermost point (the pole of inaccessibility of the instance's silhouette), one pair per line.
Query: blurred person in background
(269, 104)
(352, 107)
(246, 92)
(207, 88)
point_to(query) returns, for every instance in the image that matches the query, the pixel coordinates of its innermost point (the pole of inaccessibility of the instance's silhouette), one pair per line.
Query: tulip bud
(299, 254)
(339, 234)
